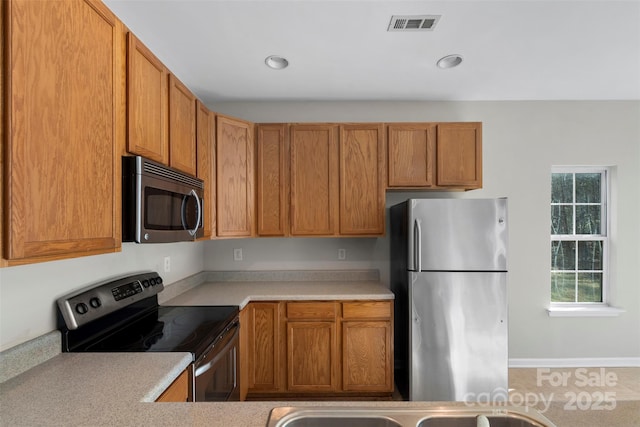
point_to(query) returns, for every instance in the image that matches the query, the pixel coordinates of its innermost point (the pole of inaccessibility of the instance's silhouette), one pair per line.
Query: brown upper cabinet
(314, 179)
(234, 177)
(63, 125)
(182, 127)
(435, 155)
(320, 179)
(459, 155)
(362, 179)
(410, 154)
(206, 151)
(161, 111)
(272, 153)
(147, 103)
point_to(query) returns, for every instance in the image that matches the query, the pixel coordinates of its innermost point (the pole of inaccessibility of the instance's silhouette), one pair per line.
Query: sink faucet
(482, 421)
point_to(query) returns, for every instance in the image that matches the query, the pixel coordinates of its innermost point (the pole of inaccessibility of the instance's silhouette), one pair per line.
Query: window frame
(580, 308)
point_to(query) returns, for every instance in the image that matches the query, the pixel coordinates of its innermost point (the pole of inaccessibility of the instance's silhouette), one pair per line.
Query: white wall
(28, 293)
(521, 141)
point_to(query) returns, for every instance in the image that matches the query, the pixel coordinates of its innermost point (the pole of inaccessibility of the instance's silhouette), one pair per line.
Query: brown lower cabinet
(316, 349)
(178, 391)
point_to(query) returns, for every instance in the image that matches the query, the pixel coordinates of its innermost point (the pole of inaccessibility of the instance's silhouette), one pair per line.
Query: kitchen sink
(429, 416)
(512, 420)
(338, 421)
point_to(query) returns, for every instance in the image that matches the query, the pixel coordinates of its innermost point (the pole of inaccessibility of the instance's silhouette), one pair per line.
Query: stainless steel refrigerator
(449, 276)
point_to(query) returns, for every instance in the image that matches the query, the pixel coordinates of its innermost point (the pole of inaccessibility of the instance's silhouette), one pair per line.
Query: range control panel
(95, 301)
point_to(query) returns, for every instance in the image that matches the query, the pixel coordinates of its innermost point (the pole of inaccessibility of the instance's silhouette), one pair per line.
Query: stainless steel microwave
(159, 204)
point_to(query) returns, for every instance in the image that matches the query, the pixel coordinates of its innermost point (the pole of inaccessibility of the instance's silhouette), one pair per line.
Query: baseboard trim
(587, 362)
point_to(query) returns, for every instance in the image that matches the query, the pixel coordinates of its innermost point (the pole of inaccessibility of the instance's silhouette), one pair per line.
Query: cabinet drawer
(366, 310)
(311, 310)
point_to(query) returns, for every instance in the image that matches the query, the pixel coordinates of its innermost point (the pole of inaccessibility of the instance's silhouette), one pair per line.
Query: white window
(579, 236)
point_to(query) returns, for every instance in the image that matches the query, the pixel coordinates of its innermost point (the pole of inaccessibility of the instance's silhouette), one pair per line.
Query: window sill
(599, 311)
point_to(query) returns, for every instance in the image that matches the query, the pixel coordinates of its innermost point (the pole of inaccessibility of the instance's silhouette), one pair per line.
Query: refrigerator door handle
(417, 245)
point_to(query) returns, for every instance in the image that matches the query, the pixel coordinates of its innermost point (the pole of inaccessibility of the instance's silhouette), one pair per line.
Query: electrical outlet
(237, 254)
(342, 254)
(167, 264)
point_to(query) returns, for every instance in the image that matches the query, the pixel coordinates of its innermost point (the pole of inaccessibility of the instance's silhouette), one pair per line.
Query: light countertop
(109, 389)
(116, 389)
(241, 293)
(84, 388)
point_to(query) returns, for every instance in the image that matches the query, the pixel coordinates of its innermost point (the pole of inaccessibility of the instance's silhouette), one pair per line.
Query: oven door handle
(219, 354)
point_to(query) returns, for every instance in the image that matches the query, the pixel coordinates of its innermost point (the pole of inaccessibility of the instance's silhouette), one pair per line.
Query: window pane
(589, 287)
(588, 219)
(590, 255)
(561, 219)
(563, 287)
(587, 188)
(561, 188)
(563, 255)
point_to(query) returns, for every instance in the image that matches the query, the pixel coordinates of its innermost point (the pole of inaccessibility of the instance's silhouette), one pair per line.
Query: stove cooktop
(123, 315)
(168, 329)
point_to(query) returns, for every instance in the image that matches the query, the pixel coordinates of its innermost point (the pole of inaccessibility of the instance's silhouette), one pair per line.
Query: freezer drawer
(458, 336)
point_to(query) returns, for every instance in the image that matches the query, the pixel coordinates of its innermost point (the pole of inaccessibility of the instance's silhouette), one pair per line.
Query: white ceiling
(341, 50)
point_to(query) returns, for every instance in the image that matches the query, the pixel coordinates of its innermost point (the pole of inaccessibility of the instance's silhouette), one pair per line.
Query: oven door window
(216, 375)
(166, 210)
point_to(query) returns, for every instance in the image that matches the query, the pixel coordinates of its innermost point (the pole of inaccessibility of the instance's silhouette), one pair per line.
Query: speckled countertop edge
(22, 357)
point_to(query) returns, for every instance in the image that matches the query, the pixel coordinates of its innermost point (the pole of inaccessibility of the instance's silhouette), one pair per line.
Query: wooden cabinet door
(459, 155)
(272, 142)
(410, 154)
(182, 127)
(64, 94)
(311, 356)
(147, 103)
(366, 356)
(178, 391)
(314, 180)
(367, 349)
(264, 373)
(362, 179)
(206, 151)
(234, 177)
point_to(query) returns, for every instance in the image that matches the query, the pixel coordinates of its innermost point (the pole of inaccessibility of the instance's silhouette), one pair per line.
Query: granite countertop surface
(109, 389)
(241, 293)
(85, 388)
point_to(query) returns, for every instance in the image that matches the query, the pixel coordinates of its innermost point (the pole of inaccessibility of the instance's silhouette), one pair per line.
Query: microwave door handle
(198, 215)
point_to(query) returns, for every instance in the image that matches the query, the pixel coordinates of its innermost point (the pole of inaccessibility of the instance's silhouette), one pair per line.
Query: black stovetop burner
(168, 329)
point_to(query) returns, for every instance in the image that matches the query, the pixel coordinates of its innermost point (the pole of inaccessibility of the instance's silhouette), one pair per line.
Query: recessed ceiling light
(276, 62)
(450, 61)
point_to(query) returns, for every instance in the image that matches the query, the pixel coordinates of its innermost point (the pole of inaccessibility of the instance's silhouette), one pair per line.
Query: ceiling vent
(413, 22)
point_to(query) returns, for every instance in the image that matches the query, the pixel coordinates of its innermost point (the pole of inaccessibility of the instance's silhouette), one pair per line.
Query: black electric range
(123, 315)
